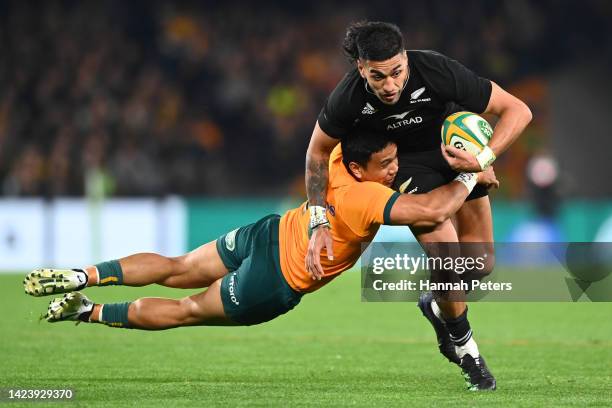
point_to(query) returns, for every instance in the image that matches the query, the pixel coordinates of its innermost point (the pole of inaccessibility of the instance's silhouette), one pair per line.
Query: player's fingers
(451, 160)
(329, 247)
(325, 244)
(318, 268)
(311, 262)
(444, 153)
(314, 273)
(310, 268)
(492, 183)
(453, 151)
(307, 265)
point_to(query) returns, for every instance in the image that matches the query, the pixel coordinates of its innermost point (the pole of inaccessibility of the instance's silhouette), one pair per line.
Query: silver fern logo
(417, 93)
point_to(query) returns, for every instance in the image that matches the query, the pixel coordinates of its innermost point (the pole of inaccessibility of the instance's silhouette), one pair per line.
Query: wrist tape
(469, 180)
(485, 158)
(318, 216)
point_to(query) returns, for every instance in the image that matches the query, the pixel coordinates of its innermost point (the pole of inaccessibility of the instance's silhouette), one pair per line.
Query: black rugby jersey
(437, 86)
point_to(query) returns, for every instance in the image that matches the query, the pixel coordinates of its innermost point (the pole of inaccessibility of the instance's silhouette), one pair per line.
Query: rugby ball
(467, 131)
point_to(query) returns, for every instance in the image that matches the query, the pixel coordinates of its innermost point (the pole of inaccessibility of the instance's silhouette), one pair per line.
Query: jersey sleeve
(454, 82)
(367, 204)
(335, 118)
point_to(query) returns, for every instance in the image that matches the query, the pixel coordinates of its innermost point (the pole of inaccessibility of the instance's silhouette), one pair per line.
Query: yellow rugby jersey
(355, 211)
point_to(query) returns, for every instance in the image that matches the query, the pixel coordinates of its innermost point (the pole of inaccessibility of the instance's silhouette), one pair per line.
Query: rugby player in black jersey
(407, 94)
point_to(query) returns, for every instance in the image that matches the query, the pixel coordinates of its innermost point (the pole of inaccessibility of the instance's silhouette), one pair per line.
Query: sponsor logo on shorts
(232, 289)
(230, 240)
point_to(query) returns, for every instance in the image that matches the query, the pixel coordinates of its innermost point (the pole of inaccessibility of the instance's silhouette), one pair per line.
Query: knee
(193, 310)
(189, 310)
(485, 266)
(489, 263)
(180, 264)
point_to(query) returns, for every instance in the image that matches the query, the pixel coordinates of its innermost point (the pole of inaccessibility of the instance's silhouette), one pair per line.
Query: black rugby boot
(477, 374)
(445, 344)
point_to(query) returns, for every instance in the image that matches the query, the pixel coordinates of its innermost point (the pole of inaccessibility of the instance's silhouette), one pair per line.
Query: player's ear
(356, 170)
(361, 68)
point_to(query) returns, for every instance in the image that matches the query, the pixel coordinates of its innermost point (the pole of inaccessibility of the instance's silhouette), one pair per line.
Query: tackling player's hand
(488, 178)
(321, 237)
(460, 160)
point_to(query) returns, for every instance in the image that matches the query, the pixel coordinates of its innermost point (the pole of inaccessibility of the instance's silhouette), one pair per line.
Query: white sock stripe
(462, 339)
(467, 337)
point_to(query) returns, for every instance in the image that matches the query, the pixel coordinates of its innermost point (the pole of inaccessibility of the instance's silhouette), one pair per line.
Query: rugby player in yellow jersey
(257, 272)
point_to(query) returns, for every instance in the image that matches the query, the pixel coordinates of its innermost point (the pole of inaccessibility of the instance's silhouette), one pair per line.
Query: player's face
(382, 167)
(386, 79)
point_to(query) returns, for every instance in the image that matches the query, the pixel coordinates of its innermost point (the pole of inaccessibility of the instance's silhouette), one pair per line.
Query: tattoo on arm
(316, 180)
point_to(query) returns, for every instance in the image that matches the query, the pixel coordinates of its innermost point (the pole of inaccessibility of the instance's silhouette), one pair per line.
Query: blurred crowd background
(220, 98)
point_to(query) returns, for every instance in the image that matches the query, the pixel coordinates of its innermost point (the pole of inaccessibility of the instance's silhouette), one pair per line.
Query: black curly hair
(361, 144)
(372, 40)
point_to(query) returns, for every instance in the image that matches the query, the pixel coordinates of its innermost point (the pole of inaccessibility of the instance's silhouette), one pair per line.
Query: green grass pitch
(332, 350)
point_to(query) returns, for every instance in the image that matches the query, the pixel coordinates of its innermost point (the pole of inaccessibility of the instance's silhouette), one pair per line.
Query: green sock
(115, 315)
(109, 273)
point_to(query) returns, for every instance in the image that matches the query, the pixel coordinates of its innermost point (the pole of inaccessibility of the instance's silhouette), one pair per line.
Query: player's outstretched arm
(317, 176)
(430, 209)
(317, 165)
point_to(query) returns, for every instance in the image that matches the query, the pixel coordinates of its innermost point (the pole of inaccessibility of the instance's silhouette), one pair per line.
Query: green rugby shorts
(255, 290)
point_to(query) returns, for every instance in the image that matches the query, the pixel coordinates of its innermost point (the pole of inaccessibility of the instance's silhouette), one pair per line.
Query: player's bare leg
(471, 224)
(444, 232)
(196, 269)
(474, 224)
(204, 308)
(449, 318)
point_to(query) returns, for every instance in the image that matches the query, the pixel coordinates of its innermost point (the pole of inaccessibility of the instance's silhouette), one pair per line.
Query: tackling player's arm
(434, 207)
(317, 165)
(317, 176)
(335, 121)
(514, 115)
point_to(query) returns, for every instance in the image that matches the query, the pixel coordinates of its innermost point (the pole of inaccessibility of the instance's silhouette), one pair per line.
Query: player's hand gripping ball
(466, 131)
